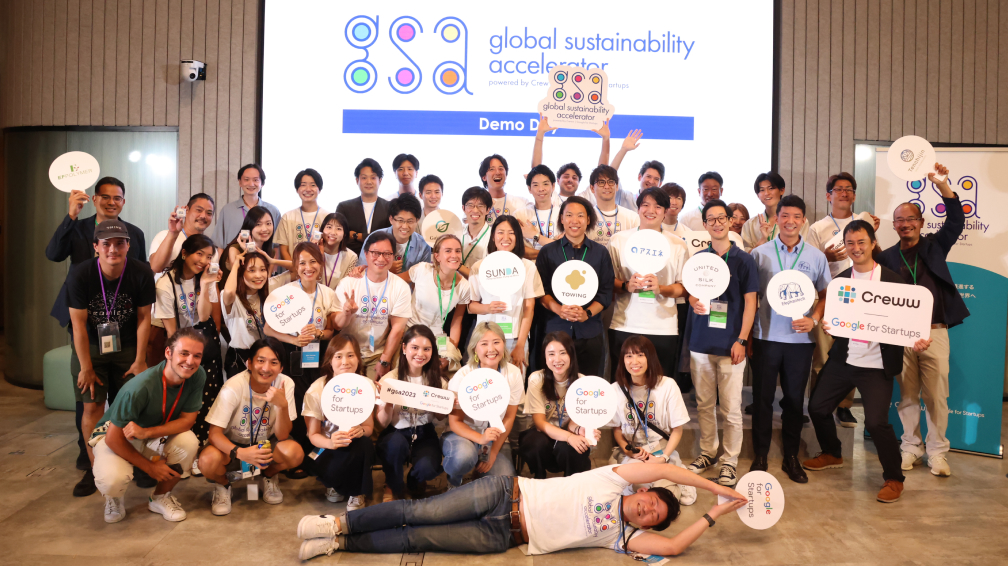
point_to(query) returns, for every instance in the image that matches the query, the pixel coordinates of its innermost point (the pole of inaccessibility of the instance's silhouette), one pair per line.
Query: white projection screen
(343, 81)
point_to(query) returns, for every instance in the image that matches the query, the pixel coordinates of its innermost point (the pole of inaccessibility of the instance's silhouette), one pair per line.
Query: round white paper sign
(484, 395)
(706, 276)
(288, 310)
(348, 400)
(438, 223)
(75, 170)
(646, 252)
(911, 158)
(575, 283)
(590, 402)
(766, 500)
(502, 273)
(791, 293)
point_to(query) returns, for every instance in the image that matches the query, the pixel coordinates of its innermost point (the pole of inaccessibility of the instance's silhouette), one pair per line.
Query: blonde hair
(436, 248)
(478, 332)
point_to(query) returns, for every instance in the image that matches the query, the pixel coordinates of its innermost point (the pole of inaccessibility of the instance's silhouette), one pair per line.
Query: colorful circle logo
(406, 32)
(450, 33)
(404, 76)
(449, 77)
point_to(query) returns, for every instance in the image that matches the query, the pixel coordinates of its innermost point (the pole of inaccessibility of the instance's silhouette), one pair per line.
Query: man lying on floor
(493, 513)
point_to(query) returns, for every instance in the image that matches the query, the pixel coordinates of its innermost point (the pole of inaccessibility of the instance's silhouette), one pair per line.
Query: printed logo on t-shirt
(600, 517)
(631, 414)
(804, 266)
(372, 309)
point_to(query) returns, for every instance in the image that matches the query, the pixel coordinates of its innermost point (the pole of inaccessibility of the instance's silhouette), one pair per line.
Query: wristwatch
(234, 453)
(743, 341)
(587, 312)
(815, 322)
(624, 287)
(383, 363)
(535, 239)
(710, 521)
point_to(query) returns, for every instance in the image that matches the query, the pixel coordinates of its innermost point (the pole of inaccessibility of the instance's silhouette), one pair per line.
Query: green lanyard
(437, 277)
(773, 231)
(781, 264)
(572, 245)
(913, 272)
(466, 256)
(406, 251)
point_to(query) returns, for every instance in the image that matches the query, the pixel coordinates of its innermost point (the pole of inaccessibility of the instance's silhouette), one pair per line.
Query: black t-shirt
(921, 275)
(84, 291)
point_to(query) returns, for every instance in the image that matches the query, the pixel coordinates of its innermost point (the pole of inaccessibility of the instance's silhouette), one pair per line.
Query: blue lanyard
(613, 218)
(312, 301)
(254, 432)
(311, 232)
(378, 301)
(834, 222)
(549, 233)
(189, 308)
(371, 216)
(504, 209)
(259, 323)
(642, 415)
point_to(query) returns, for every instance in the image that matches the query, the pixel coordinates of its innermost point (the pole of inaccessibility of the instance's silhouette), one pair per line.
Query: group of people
(185, 325)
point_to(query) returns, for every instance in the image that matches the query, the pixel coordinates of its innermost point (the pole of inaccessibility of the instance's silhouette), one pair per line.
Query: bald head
(907, 222)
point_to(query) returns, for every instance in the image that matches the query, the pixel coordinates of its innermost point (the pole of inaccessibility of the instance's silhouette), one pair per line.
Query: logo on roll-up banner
(965, 186)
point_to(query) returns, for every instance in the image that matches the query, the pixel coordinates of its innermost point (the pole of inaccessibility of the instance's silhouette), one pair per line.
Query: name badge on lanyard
(645, 297)
(310, 355)
(718, 315)
(442, 345)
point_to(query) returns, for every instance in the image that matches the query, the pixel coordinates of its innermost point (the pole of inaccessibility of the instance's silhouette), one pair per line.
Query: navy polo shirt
(744, 279)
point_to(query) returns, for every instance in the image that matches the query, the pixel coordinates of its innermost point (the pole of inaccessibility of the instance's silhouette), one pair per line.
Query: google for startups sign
(874, 311)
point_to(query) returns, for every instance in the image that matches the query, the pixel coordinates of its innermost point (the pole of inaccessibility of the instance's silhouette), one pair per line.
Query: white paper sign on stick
(911, 158)
(646, 252)
(484, 395)
(502, 273)
(438, 223)
(575, 283)
(416, 396)
(791, 293)
(74, 171)
(590, 402)
(875, 311)
(706, 277)
(766, 500)
(348, 400)
(577, 98)
(288, 310)
(697, 240)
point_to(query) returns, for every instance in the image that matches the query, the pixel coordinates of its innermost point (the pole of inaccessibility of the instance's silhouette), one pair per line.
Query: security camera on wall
(193, 71)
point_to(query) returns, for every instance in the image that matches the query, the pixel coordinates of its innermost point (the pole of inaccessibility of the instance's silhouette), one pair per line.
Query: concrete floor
(834, 519)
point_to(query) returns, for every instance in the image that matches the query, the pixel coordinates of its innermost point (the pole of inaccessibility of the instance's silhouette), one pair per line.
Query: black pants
(834, 383)
(303, 379)
(543, 454)
(792, 362)
(683, 378)
(590, 354)
(235, 361)
(348, 470)
(667, 347)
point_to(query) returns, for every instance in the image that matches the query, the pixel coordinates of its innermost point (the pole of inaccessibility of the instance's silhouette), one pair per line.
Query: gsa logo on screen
(449, 77)
(966, 186)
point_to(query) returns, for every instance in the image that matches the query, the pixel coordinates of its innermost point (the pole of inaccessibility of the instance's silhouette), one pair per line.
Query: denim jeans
(394, 451)
(462, 455)
(474, 519)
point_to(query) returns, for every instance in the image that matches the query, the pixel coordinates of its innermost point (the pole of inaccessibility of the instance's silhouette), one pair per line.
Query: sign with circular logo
(646, 252)
(590, 402)
(766, 500)
(791, 293)
(705, 276)
(911, 158)
(438, 223)
(502, 273)
(575, 283)
(74, 171)
(348, 400)
(288, 309)
(484, 395)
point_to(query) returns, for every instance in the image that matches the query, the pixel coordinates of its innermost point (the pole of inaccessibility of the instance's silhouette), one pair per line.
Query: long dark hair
(242, 290)
(549, 379)
(311, 249)
(639, 345)
(519, 246)
(336, 344)
(342, 221)
(252, 218)
(191, 245)
(432, 369)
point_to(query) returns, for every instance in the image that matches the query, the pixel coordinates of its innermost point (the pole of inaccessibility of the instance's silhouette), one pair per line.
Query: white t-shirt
(312, 406)
(510, 205)
(368, 213)
(532, 289)
(475, 249)
(516, 383)
(664, 407)
(537, 403)
(231, 410)
(337, 265)
(428, 310)
(243, 325)
(296, 227)
(546, 223)
(164, 306)
(376, 301)
(323, 301)
(678, 229)
(579, 511)
(821, 233)
(611, 223)
(692, 218)
(636, 315)
(406, 417)
(861, 353)
(176, 249)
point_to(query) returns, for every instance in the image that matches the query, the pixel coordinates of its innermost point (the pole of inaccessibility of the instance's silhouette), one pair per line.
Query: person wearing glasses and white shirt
(476, 202)
(411, 248)
(612, 218)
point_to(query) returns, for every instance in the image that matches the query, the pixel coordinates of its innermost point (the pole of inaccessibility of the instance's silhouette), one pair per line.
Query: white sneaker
(168, 506)
(317, 546)
(271, 490)
(195, 468)
(687, 495)
(909, 461)
(356, 502)
(333, 496)
(939, 466)
(221, 503)
(115, 511)
(315, 526)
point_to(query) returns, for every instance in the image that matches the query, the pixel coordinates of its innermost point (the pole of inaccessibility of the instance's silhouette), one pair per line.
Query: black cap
(111, 229)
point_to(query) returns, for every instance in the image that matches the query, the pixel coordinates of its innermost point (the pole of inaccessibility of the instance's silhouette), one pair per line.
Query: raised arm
(630, 143)
(544, 127)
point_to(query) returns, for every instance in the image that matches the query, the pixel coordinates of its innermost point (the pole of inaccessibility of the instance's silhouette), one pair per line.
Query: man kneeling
(254, 407)
(148, 427)
(493, 513)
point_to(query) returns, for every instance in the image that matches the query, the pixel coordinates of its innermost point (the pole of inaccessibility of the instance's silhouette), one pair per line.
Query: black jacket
(74, 239)
(934, 249)
(892, 354)
(353, 209)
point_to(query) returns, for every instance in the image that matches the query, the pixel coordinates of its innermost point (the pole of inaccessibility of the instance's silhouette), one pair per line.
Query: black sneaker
(805, 419)
(748, 409)
(700, 464)
(792, 467)
(759, 464)
(83, 462)
(727, 476)
(142, 479)
(846, 417)
(86, 485)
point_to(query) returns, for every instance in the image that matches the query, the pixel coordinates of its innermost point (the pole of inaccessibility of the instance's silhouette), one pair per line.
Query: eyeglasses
(606, 183)
(386, 255)
(115, 199)
(908, 220)
(470, 207)
(717, 220)
(843, 191)
(410, 222)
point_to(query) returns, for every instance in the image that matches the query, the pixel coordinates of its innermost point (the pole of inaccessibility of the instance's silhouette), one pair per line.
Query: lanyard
(913, 272)
(259, 323)
(773, 231)
(164, 399)
(642, 419)
(101, 279)
(406, 252)
(624, 539)
(781, 264)
(371, 216)
(572, 245)
(367, 286)
(549, 233)
(312, 301)
(332, 272)
(834, 222)
(561, 405)
(465, 257)
(503, 209)
(437, 277)
(612, 218)
(309, 233)
(252, 421)
(871, 273)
